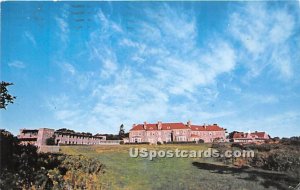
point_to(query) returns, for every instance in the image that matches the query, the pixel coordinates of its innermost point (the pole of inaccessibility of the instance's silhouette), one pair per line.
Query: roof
(169, 126)
(154, 126)
(239, 135)
(29, 130)
(172, 126)
(206, 128)
(259, 134)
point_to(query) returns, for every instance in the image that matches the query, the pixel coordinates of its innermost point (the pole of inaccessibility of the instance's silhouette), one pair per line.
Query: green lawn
(124, 172)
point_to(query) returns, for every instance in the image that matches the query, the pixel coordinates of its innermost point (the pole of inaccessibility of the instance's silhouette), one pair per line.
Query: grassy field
(124, 172)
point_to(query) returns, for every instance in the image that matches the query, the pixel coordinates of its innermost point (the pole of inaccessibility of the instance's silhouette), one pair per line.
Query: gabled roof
(169, 126)
(259, 134)
(206, 128)
(165, 126)
(172, 126)
(239, 135)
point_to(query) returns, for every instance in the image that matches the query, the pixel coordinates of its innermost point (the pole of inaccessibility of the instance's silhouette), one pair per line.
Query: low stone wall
(48, 149)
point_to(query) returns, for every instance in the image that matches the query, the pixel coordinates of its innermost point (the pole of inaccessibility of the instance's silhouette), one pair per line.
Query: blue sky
(91, 66)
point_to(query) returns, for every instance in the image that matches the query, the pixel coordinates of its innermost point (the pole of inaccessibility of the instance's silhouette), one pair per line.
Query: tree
(230, 136)
(50, 141)
(8, 144)
(5, 97)
(122, 132)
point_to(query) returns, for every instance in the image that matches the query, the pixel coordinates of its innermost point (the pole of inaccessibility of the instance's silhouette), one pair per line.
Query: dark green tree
(50, 141)
(5, 97)
(122, 132)
(230, 135)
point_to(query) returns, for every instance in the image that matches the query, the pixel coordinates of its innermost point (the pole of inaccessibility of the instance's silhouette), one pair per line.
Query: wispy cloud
(160, 71)
(63, 25)
(67, 67)
(171, 66)
(264, 35)
(17, 64)
(30, 37)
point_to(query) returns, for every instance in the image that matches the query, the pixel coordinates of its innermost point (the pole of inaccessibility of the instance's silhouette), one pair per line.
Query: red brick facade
(168, 132)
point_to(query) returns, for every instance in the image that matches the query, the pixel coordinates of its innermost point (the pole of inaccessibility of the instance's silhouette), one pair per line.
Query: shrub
(258, 147)
(181, 142)
(121, 142)
(50, 141)
(238, 145)
(291, 141)
(137, 143)
(24, 168)
(218, 145)
(158, 143)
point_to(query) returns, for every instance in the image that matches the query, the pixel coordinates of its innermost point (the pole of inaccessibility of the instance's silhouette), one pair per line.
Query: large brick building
(39, 137)
(169, 132)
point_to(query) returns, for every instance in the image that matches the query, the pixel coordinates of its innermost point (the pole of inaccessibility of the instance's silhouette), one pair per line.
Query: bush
(23, 168)
(238, 145)
(121, 142)
(218, 145)
(7, 147)
(258, 147)
(50, 141)
(283, 160)
(181, 142)
(137, 143)
(201, 141)
(158, 143)
(291, 141)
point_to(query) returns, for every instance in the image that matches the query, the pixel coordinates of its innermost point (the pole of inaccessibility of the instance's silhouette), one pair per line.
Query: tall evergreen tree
(122, 132)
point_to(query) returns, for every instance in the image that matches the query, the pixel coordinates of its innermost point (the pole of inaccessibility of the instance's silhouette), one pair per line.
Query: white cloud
(101, 50)
(173, 66)
(174, 79)
(67, 67)
(30, 37)
(63, 25)
(17, 64)
(264, 34)
(64, 29)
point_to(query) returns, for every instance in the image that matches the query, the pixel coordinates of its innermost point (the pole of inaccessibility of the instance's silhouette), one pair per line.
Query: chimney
(145, 125)
(133, 125)
(189, 123)
(159, 125)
